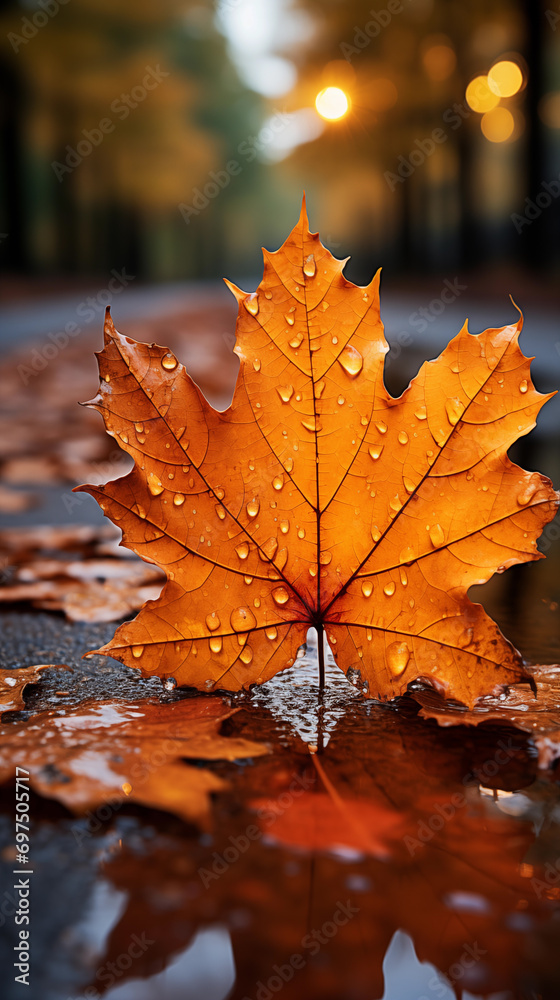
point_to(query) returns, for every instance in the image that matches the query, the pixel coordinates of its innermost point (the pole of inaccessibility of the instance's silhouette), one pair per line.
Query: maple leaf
(317, 499)
(112, 751)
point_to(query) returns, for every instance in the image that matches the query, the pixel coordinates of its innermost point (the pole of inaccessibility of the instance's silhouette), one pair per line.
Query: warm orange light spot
(127, 788)
(332, 103)
(505, 78)
(479, 96)
(497, 125)
(439, 62)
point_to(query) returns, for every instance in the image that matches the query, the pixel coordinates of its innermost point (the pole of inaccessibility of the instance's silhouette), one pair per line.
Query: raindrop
(389, 589)
(280, 595)
(436, 535)
(312, 424)
(242, 550)
(221, 513)
(268, 550)
(466, 638)
(381, 427)
(170, 683)
(395, 503)
(123, 437)
(253, 507)
(325, 558)
(351, 360)
(296, 341)
(248, 580)
(278, 482)
(527, 494)
(215, 644)
(213, 622)
(404, 578)
(137, 651)
(301, 533)
(169, 361)
(398, 655)
(403, 437)
(523, 385)
(285, 392)
(309, 267)
(312, 570)
(271, 633)
(139, 428)
(341, 400)
(289, 464)
(155, 485)
(138, 509)
(252, 304)
(257, 365)
(290, 320)
(408, 485)
(219, 493)
(375, 533)
(420, 413)
(281, 560)
(178, 499)
(284, 527)
(407, 555)
(242, 619)
(375, 451)
(454, 409)
(246, 654)
(367, 588)
(319, 389)
(334, 340)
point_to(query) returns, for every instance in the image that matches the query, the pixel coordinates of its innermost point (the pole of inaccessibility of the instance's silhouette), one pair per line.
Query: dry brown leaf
(107, 751)
(537, 713)
(317, 499)
(13, 683)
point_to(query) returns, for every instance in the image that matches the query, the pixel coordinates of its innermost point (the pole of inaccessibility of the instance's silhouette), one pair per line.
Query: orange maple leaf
(319, 500)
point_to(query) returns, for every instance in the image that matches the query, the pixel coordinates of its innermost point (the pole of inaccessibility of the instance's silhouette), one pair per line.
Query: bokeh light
(549, 109)
(439, 62)
(332, 103)
(505, 78)
(479, 96)
(498, 125)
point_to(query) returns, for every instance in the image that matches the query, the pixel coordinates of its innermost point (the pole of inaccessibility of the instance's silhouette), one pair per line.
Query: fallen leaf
(317, 499)
(105, 752)
(80, 583)
(13, 683)
(538, 713)
(14, 501)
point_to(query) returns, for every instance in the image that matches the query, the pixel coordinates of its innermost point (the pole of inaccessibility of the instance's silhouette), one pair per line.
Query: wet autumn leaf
(13, 684)
(108, 751)
(317, 499)
(537, 713)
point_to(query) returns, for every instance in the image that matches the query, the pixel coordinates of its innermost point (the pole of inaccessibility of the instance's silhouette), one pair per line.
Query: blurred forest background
(153, 188)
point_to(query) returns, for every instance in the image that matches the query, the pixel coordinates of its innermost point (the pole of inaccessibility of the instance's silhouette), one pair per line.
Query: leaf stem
(320, 707)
